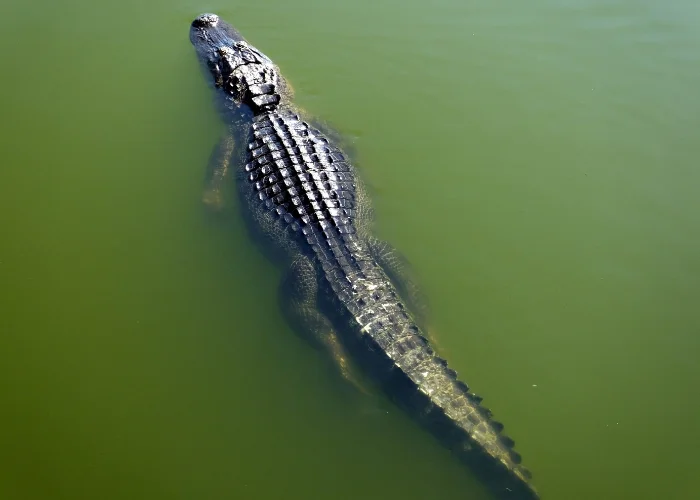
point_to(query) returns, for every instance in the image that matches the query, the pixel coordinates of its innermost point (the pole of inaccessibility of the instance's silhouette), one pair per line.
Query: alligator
(348, 291)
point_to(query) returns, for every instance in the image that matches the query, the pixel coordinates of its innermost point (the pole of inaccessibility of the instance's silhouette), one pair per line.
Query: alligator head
(246, 76)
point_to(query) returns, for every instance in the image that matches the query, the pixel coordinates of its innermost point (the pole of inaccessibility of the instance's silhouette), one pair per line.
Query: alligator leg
(299, 303)
(396, 266)
(217, 173)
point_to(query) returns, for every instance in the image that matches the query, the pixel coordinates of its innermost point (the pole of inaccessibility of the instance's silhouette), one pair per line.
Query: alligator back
(308, 186)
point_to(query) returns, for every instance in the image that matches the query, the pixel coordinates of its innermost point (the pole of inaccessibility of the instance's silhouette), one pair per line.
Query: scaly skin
(302, 198)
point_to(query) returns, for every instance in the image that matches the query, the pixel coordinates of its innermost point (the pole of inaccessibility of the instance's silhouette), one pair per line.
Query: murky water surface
(536, 162)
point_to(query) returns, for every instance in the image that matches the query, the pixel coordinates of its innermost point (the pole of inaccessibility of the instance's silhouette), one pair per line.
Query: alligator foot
(339, 355)
(396, 266)
(217, 174)
(433, 339)
(298, 296)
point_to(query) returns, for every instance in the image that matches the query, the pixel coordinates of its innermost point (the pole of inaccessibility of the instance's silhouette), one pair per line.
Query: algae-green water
(536, 162)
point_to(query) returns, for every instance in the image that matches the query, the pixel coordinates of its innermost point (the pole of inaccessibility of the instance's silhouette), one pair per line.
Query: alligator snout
(205, 21)
(209, 32)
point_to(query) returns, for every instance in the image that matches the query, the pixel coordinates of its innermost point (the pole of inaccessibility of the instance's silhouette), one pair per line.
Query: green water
(536, 161)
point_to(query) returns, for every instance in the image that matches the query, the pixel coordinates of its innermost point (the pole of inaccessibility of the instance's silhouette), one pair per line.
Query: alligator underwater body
(347, 290)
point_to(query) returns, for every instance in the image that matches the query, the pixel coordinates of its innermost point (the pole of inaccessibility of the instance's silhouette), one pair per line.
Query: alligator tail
(430, 390)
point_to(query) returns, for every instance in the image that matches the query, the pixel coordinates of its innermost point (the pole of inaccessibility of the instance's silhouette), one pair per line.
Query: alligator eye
(225, 51)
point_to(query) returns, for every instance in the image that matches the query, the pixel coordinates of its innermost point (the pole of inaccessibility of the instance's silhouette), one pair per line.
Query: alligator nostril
(205, 20)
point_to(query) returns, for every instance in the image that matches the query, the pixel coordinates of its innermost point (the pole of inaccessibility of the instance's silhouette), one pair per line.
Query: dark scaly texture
(303, 194)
